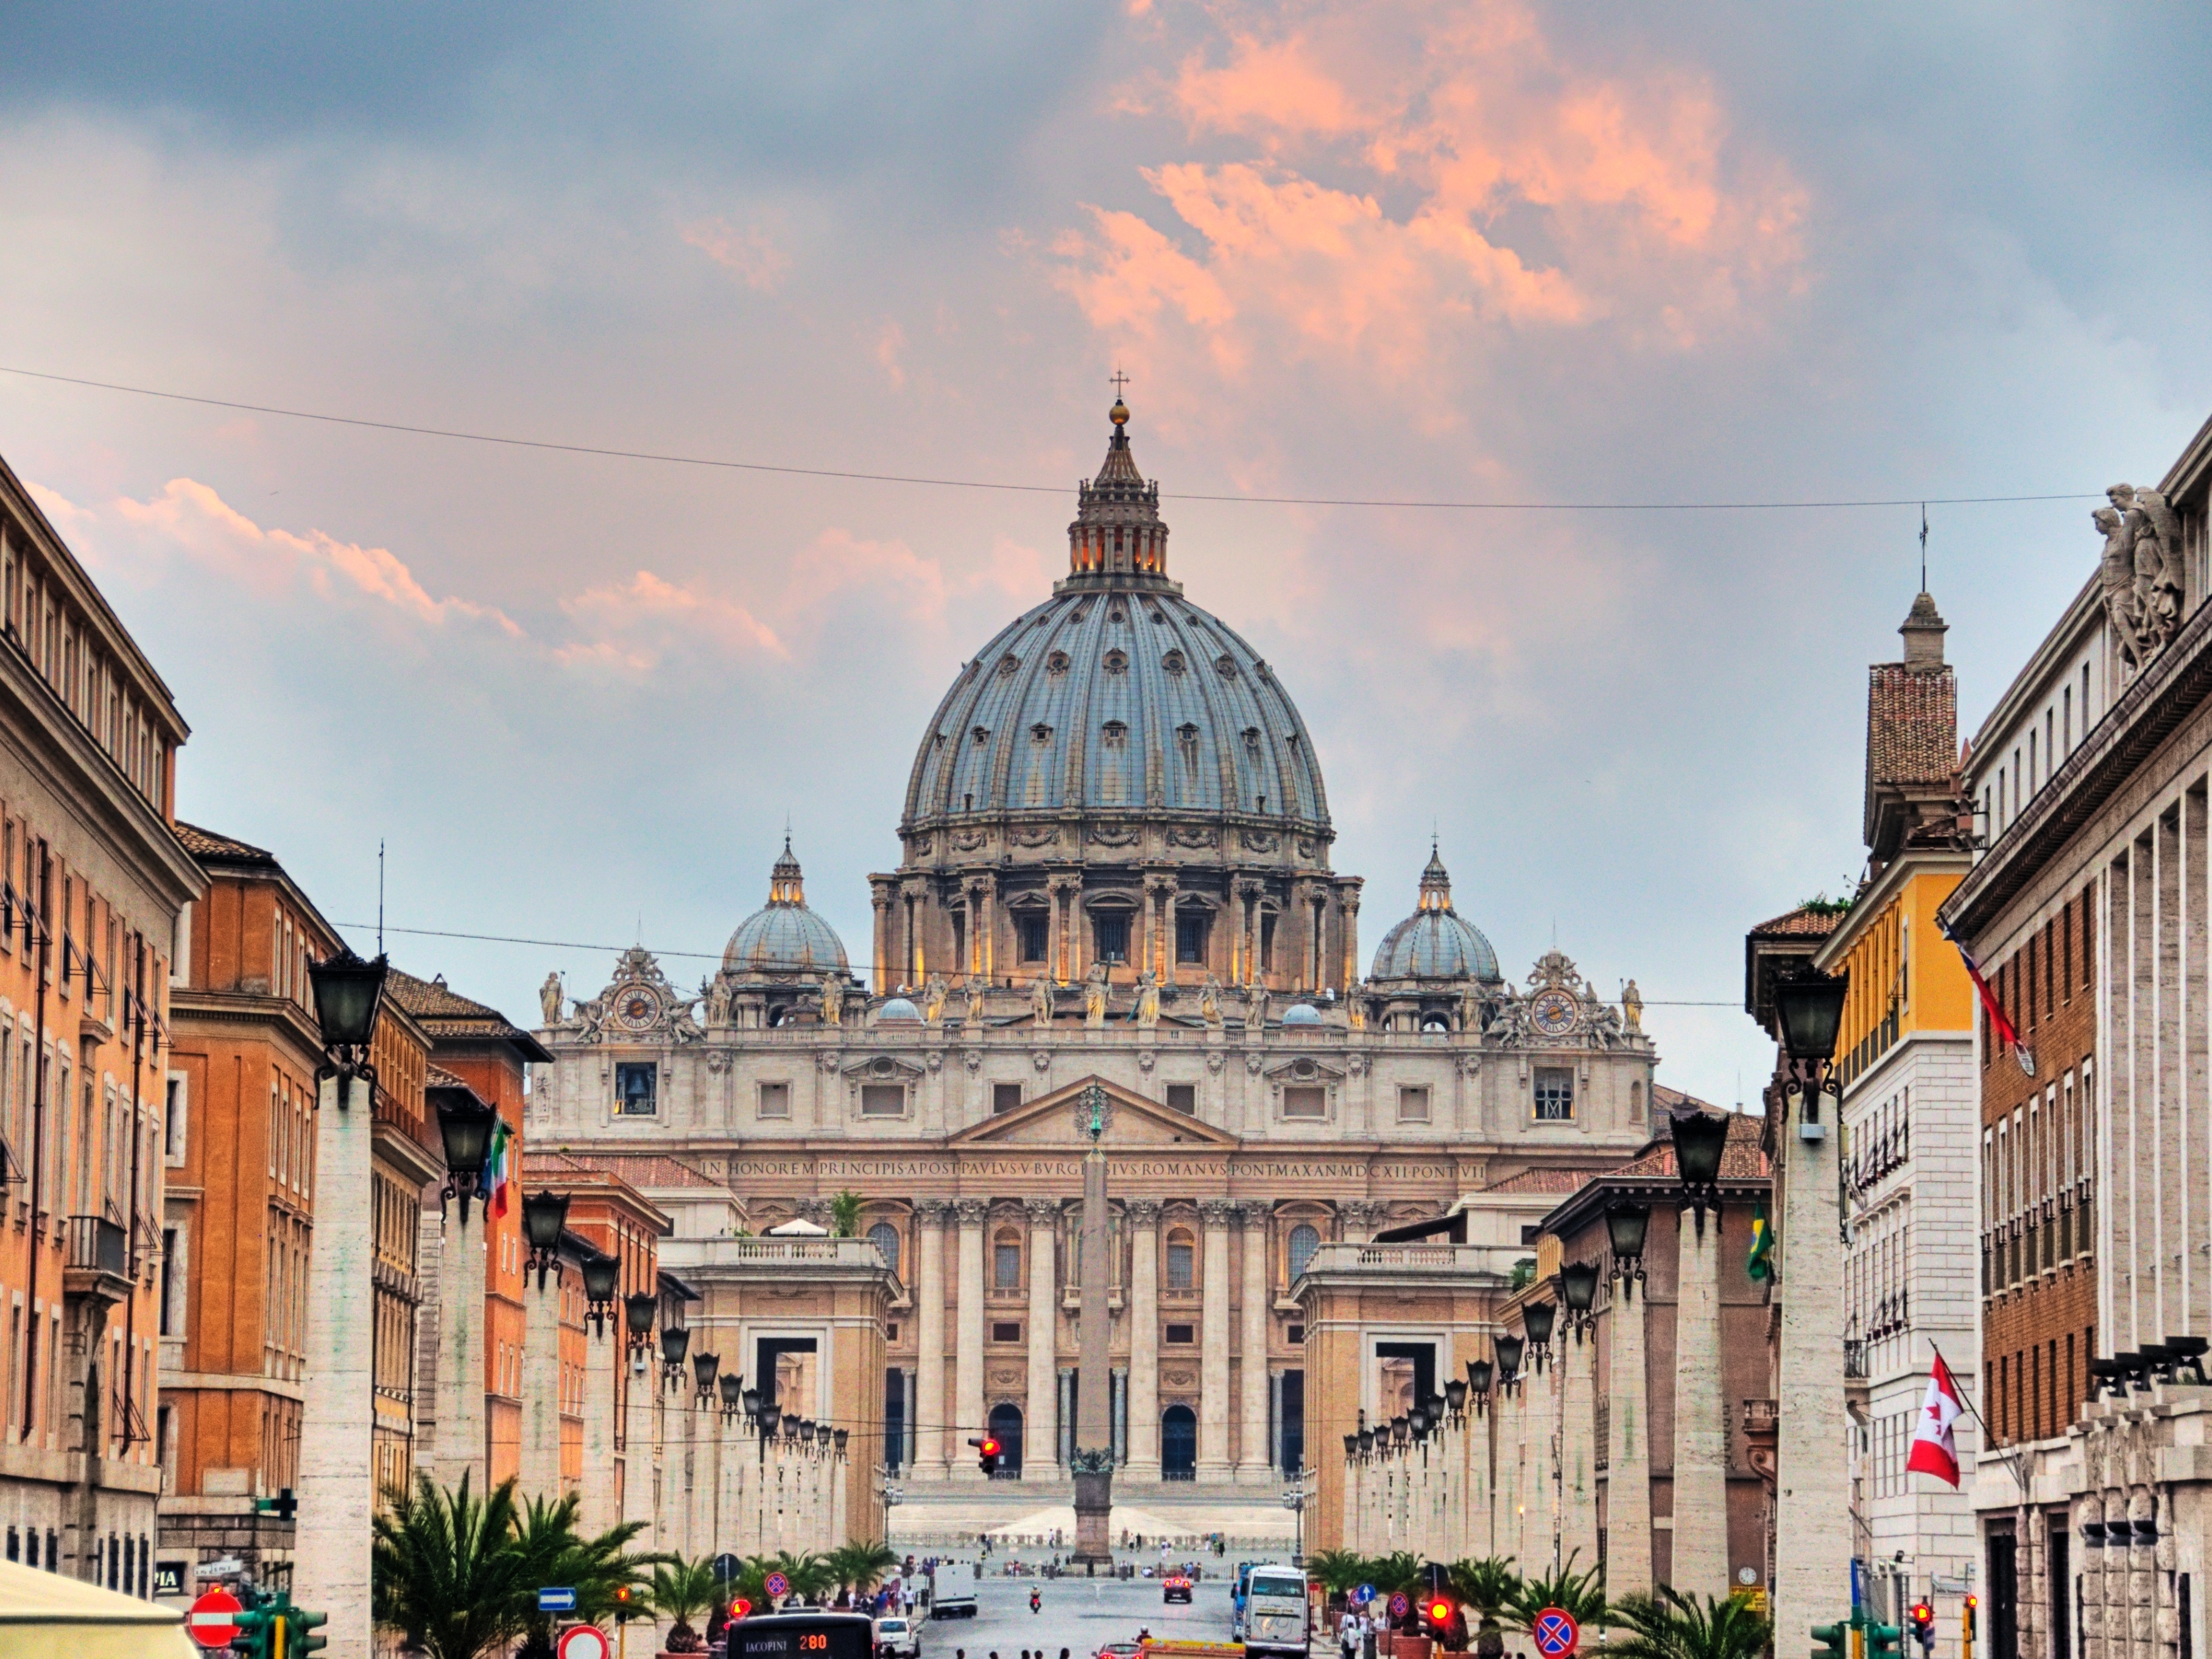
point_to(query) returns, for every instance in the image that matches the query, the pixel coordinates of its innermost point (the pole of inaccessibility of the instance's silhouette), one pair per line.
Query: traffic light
(988, 1451)
(1967, 1614)
(626, 1605)
(1924, 1625)
(299, 1637)
(739, 1608)
(1831, 1638)
(1883, 1642)
(259, 1631)
(1439, 1611)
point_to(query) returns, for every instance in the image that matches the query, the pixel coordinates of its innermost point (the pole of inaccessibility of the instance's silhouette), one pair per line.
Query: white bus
(1276, 1616)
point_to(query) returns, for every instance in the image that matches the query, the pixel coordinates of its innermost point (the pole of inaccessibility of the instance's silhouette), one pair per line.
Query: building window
(1555, 1094)
(1304, 1241)
(174, 1121)
(1006, 1097)
(1305, 1101)
(1180, 1265)
(1190, 937)
(1182, 1335)
(882, 1100)
(885, 1238)
(1297, 1336)
(1006, 1262)
(1267, 939)
(636, 1085)
(1110, 933)
(773, 1101)
(1006, 1331)
(1183, 1097)
(1031, 929)
(1413, 1105)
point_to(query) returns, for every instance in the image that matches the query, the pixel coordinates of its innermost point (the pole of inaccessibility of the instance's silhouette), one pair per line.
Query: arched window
(1006, 1261)
(885, 1238)
(1182, 1274)
(1304, 1241)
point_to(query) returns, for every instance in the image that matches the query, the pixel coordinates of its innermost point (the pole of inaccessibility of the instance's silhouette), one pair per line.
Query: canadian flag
(1934, 1451)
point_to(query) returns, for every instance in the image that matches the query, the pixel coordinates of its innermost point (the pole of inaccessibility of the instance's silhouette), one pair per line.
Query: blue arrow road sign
(560, 1600)
(1363, 1594)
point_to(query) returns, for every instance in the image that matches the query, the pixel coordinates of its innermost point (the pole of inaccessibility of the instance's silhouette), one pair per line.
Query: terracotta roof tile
(1913, 724)
(445, 1012)
(1543, 1180)
(1740, 1160)
(206, 844)
(1804, 923)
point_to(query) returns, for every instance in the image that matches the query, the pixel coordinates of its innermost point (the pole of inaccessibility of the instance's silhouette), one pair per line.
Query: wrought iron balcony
(96, 1259)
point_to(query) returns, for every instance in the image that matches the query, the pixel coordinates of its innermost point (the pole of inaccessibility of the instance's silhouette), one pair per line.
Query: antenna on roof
(1923, 547)
(379, 896)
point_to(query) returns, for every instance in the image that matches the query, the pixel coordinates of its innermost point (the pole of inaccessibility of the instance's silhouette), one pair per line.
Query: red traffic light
(739, 1608)
(1972, 1601)
(1923, 1613)
(989, 1447)
(1440, 1613)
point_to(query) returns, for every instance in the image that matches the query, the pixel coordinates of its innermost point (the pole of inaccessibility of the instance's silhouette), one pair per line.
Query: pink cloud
(751, 253)
(890, 343)
(633, 624)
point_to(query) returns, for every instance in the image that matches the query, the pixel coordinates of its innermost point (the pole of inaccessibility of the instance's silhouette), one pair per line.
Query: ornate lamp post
(1699, 1139)
(1509, 1350)
(1810, 1005)
(1536, 1318)
(544, 1218)
(348, 995)
(1577, 1292)
(637, 1316)
(732, 1387)
(1455, 1398)
(1478, 1384)
(674, 1340)
(467, 1133)
(1626, 1226)
(703, 1367)
(601, 1271)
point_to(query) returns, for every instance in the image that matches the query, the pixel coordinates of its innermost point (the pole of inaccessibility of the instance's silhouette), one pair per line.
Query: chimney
(1924, 630)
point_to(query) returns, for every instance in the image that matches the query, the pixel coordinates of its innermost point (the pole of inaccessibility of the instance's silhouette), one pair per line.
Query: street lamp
(349, 992)
(1699, 1139)
(466, 1131)
(1625, 1225)
(733, 1388)
(637, 1314)
(837, 1441)
(1509, 1350)
(703, 1366)
(1536, 1319)
(674, 1340)
(823, 1435)
(1478, 1384)
(1811, 1006)
(1456, 1399)
(544, 1218)
(1350, 1445)
(1366, 1442)
(601, 1271)
(1578, 1290)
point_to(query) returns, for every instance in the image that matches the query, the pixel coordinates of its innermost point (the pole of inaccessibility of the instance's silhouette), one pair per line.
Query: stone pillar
(1214, 1341)
(736, 1458)
(538, 1469)
(337, 1492)
(640, 1455)
(1812, 1485)
(602, 1353)
(1540, 1387)
(1143, 1215)
(1253, 1460)
(459, 1448)
(1578, 1447)
(1701, 1559)
(968, 1336)
(1039, 1424)
(1628, 1476)
(929, 1456)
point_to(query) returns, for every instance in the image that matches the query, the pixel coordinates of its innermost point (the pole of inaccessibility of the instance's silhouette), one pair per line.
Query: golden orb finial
(1119, 414)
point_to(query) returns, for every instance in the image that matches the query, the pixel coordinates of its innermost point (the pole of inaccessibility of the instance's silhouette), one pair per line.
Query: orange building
(92, 882)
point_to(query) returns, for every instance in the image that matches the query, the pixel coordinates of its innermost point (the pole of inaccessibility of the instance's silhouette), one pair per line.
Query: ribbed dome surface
(1117, 698)
(784, 936)
(1434, 942)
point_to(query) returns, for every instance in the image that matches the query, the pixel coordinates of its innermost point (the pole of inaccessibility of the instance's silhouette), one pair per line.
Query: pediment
(1051, 1121)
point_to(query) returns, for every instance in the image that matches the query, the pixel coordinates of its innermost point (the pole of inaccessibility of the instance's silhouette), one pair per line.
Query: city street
(1078, 1614)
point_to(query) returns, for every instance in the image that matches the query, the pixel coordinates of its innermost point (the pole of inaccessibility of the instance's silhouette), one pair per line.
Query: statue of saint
(932, 1000)
(1256, 1008)
(1094, 996)
(549, 998)
(973, 1011)
(1209, 1003)
(1632, 1007)
(833, 1001)
(1148, 1000)
(1041, 1000)
(718, 1000)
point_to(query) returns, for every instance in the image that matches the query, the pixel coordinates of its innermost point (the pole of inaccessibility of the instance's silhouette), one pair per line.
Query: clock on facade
(637, 1008)
(1553, 1012)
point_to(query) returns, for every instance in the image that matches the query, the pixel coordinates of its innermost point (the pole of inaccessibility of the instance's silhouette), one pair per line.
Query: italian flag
(1934, 1451)
(500, 1166)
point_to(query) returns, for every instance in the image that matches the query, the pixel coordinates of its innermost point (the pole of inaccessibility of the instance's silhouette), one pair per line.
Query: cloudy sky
(1409, 251)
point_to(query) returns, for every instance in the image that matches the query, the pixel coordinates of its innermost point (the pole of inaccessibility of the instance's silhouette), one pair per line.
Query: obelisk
(1094, 1464)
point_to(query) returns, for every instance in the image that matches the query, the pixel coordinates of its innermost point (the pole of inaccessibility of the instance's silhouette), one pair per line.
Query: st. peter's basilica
(1115, 867)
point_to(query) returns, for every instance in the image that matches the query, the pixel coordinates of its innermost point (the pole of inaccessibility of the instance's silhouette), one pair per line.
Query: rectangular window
(1183, 1097)
(1267, 939)
(1006, 1266)
(1006, 1097)
(773, 1101)
(1182, 1335)
(1111, 932)
(1180, 1265)
(1413, 1104)
(1030, 931)
(1305, 1101)
(1005, 1332)
(1297, 1336)
(882, 1100)
(1555, 1094)
(1190, 937)
(637, 1087)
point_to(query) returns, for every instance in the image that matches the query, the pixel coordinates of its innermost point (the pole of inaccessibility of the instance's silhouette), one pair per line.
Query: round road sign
(584, 1642)
(1363, 1594)
(1398, 1604)
(210, 1621)
(778, 1585)
(1556, 1632)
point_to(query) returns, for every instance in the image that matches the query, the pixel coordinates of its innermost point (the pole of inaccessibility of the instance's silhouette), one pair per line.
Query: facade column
(1143, 1217)
(1578, 1447)
(881, 897)
(1700, 1565)
(1041, 1424)
(1628, 1477)
(539, 1466)
(1347, 908)
(602, 1353)
(1214, 1338)
(459, 1448)
(1254, 1461)
(1811, 1555)
(641, 1454)
(336, 1424)
(929, 1438)
(967, 1335)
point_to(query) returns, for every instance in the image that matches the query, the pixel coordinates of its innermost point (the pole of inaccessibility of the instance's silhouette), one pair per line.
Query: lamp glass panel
(1812, 1009)
(1699, 1138)
(1626, 1227)
(1579, 1285)
(544, 1215)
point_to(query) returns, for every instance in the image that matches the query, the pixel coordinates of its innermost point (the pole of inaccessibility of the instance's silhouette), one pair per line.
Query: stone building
(92, 882)
(2085, 910)
(1115, 867)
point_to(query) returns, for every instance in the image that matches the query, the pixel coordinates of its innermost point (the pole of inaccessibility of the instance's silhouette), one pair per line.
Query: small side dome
(898, 1011)
(784, 936)
(1302, 1013)
(1434, 942)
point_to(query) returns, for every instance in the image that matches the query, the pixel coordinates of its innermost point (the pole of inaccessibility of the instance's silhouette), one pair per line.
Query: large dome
(1434, 942)
(784, 937)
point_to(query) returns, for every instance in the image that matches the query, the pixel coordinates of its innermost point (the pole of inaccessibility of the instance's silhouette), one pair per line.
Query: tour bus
(1276, 1617)
(802, 1636)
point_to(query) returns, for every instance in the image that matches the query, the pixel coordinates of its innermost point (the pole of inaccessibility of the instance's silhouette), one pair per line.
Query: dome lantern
(784, 938)
(1436, 942)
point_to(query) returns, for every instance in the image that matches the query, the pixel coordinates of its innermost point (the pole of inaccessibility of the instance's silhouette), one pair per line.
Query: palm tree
(1581, 1596)
(1490, 1586)
(845, 1214)
(680, 1590)
(546, 1537)
(811, 1576)
(444, 1571)
(1676, 1627)
(1336, 1571)
(859, 1566)
(1400, 1569)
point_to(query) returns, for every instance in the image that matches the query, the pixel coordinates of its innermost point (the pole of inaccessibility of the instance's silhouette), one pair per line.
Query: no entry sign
(583, 1642)
(1557, 1633)
(212, 1620)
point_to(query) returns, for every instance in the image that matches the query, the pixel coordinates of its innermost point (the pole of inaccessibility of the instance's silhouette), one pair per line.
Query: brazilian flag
(1759, 1264)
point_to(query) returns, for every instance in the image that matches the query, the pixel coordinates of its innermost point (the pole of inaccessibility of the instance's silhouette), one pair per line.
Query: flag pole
(1988, 1435)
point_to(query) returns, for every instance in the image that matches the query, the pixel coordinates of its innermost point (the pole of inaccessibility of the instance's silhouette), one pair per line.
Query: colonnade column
(1578, 1447)
(1628, 1480)
(539, 1464)
(1214, 1338)
(1040, 1421)
(1700, 1566)
(1811, 1555)
(601, 1354)
(1254, 1461)
(1143, 1216)
(929, 1460)
(641, 1481)
(968, 1333)
(458, 1447)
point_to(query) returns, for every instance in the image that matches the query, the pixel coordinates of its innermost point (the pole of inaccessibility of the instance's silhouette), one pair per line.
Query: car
(1175, 1587)
(897, 1635)
(1119, 1650)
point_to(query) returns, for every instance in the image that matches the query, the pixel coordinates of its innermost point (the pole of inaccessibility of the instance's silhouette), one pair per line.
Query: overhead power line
(851, 475)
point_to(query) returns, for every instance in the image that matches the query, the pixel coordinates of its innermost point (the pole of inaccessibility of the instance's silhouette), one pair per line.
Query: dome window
(1173, 662)
(1117, 615)
(1056, 663)
(1186, 741)
(1252, 741)
(1008, 665)
(1040, 734)
(1117, 662)
(1225, 666)
(982, 736)
(1116, 734)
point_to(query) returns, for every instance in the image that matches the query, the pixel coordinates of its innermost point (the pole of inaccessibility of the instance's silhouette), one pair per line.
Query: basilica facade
(1115, 870)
